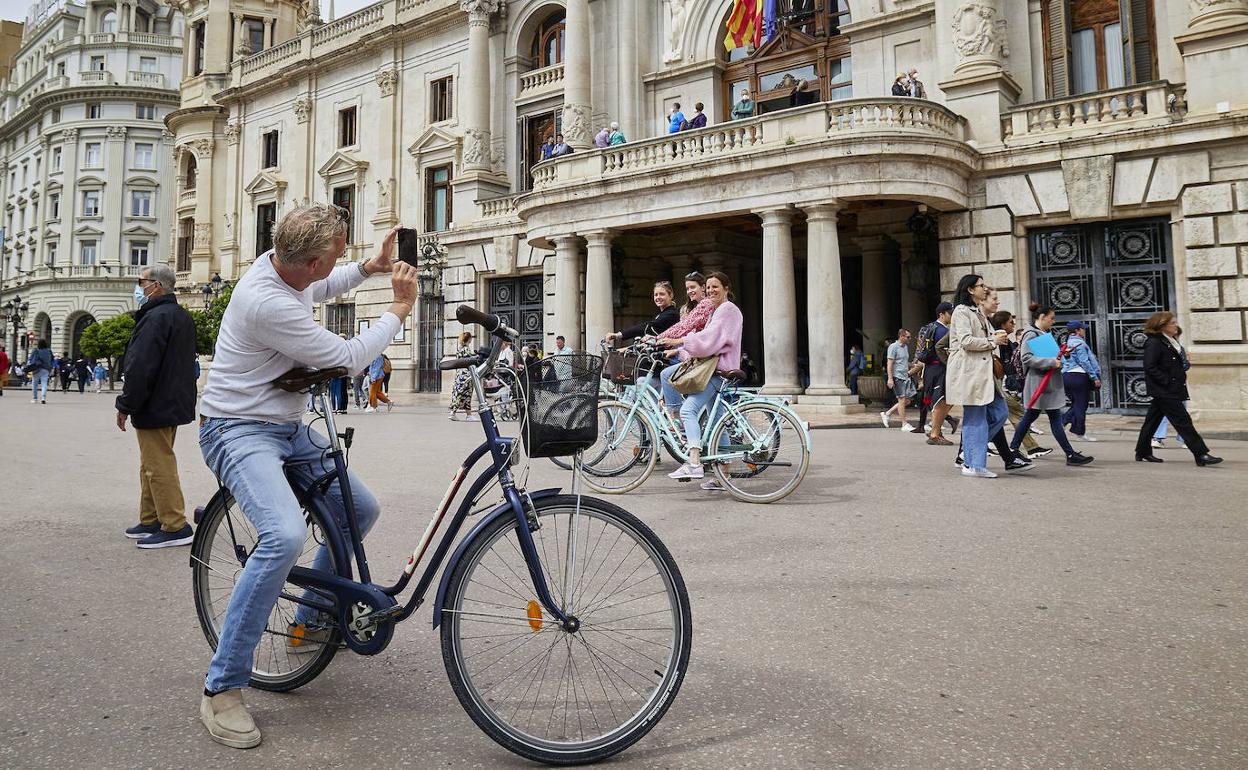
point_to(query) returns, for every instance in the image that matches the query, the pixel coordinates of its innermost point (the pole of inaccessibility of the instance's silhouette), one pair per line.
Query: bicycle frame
(382, 599)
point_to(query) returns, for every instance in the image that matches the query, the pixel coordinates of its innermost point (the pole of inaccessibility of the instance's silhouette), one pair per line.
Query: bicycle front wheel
(553, 695)
(286, 657)
(771, 448)
(624, 455)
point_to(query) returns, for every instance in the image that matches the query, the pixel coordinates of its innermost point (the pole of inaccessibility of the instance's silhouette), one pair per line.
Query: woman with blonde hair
(461, 391)
(1165, 377)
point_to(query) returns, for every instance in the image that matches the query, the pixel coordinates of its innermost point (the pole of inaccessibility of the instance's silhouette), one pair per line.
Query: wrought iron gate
(1111, 276)
(520, 302)
(429, 343)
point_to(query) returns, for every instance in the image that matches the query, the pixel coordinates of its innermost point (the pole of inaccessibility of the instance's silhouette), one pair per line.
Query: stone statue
(232, 132)
(385, 189)
(303, 108)
(474, 147)
(229, 228)
(675, 31)
(576, 124)
(978, 34)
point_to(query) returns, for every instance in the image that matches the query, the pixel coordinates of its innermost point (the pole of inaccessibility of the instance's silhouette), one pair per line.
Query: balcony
(547, 80)
(96, 77)
(151, 39)
(1102, 112)
(99, 38)
(883, 148)
(499, 208)
(149, 79)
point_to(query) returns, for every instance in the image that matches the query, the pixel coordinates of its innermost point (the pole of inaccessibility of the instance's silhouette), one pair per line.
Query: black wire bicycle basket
(561, 404)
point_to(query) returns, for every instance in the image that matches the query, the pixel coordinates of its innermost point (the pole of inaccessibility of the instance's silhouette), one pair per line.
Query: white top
(508, 358)
(268, 329)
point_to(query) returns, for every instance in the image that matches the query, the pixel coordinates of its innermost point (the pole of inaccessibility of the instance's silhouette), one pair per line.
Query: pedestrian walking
(897, 374)
(4, 369)
(377, 383)
(969, 379)
(932, 350)
(1081, 376)
(854, 369)
(65, 368)
(157, 396)
(1165, 377)
(387, 368)
(1013, 382)
(82, 371)
(461, 389)
(1041, 393)
(100, 374)
(39, 367)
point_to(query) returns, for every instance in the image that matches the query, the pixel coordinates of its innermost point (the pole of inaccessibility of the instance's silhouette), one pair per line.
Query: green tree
(208, 322)
(108, 340)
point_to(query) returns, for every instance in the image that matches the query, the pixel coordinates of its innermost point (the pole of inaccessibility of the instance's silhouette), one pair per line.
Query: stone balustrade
(152, 79)
(278, 53)
(542, 81)
(1100, 112)
(365, 18)
(503, 207)
(887, 117)
(149, 38)
(96, 77)
(99, 38)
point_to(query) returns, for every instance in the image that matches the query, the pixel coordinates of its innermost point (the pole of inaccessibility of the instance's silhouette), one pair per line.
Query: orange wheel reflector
(535, 615)
(753, 468)
(636, 451)
(296, 635)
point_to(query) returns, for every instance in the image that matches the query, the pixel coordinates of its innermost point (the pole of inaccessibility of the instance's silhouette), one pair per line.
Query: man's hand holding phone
(383, 260)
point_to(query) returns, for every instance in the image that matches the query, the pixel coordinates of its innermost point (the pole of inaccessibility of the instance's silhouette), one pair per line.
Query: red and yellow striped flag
(745, 24)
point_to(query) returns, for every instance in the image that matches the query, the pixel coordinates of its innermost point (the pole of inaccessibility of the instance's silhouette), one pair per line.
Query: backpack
(1016, 361)
(927, 334)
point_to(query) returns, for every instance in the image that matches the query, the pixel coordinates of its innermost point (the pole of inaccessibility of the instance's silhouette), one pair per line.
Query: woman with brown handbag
(719, 342)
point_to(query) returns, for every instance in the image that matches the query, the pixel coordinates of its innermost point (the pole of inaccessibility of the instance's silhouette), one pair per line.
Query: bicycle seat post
(320, 401)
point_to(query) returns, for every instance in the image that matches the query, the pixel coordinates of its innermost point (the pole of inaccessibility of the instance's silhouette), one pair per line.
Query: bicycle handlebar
(467, 314)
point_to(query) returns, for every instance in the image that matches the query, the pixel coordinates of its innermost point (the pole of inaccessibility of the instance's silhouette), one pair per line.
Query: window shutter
(1059, 42)
(1137, 40)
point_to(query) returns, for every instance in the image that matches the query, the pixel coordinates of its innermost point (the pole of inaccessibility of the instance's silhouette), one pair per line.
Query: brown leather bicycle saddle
(302, 378)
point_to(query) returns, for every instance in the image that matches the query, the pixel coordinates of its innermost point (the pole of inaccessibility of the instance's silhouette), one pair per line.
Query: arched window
(108, 22)
(192, 168)
(803, 60)
(547, 47)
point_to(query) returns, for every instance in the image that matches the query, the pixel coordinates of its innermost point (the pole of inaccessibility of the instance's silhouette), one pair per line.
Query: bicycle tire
(609, 478)
(311, 664)
(459, 628)
(736, 483)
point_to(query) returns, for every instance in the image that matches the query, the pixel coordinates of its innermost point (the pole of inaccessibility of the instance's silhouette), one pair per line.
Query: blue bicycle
(565, 623)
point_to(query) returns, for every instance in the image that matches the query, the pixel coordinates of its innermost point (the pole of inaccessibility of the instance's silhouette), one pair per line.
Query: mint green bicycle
(757, 447)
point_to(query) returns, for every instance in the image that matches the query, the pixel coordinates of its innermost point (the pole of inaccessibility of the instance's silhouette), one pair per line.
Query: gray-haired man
(158, 396)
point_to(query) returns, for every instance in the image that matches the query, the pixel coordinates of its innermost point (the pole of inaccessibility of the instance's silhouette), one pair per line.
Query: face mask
(139, 295)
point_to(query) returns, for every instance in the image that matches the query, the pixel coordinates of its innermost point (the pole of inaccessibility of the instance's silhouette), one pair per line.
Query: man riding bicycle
(249, 429)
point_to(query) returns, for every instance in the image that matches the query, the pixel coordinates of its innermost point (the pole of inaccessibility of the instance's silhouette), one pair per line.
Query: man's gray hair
(304, 234)
(163, 275)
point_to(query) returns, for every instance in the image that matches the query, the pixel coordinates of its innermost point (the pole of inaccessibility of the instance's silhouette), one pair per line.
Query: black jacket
(666, 319)
(159, 390)
(1164, 374)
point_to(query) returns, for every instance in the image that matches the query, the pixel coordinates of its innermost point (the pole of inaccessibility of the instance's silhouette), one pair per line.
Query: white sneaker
(369, 409)
(992, 450)
(927, 428)
(473, 418)
(907, 428)
(389, 407)
(884, 419)
(1159, 443)
(712, 485)
(979, 473)
(1036, 431)
(34, 401)
(451, 416)
(1084, 437)
(685, 472)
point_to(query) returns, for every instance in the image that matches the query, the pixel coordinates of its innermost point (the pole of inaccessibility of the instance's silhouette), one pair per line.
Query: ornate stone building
(1090, 154)
(86, 176)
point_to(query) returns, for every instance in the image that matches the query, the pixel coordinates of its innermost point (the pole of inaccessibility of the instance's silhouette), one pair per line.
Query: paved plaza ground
(888, 614)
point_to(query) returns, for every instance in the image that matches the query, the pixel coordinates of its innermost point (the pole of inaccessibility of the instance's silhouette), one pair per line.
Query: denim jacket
(1079, 354)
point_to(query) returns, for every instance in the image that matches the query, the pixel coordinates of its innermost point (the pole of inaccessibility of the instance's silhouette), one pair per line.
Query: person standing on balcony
(602, 138)
(617, 136)
(901, 85)
(744, 108)
(699, 118)
(548, 148)
(675, 119)
(561, 147)
(916, 86)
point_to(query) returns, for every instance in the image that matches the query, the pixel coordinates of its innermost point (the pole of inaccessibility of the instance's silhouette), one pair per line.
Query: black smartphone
(408, 250)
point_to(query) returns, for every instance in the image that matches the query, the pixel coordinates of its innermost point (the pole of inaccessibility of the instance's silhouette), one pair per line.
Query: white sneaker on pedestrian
(1037, 431)
(992, 450)
(686, 472)
(369, 409)
(34, 401)
(451, 416)
(884, 419)
(927, 428)
(1084, 437)
(1159, 443)
(389, 407)
(979, 473)
(907, 428)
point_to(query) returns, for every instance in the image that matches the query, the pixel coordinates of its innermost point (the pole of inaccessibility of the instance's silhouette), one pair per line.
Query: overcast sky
(16, 9)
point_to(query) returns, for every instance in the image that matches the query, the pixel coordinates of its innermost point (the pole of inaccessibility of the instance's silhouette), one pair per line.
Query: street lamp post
(15, 311)
(213, 288)
(429, 318)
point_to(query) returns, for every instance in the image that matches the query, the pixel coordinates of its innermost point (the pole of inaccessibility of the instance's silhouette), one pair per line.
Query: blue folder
(1043, 346)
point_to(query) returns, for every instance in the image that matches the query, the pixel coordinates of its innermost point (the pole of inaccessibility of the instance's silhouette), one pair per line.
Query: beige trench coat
(968, 375)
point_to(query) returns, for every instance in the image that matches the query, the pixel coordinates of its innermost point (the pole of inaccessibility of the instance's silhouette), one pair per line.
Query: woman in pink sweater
(721, 337)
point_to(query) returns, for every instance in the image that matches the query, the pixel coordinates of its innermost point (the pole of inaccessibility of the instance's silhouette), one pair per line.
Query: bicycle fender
(502, 509)
(199, 512)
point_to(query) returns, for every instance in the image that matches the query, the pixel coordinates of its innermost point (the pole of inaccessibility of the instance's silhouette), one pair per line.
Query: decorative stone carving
(115, 132)
(203, 236)
(498, 157)
(675, 31)
(387, 81)
(69, 135)
(167, 135)
(232, 133)
(576, 124)
(385, 192)
(229, 228)
(979, 37)
(243, 49)
(1208, 13)
(478, 9)
(202, 149)
(303, 109)
(475, 146)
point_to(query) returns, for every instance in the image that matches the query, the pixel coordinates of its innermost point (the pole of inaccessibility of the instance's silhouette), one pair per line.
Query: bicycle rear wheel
(284, 659)
(624, 455)
(553, 695)
(773, 458)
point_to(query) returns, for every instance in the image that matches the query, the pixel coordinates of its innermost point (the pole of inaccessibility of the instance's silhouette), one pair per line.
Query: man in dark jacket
(158, 396)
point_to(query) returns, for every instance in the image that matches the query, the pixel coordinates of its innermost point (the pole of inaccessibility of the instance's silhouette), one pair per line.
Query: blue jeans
(1055, 424)
(248, 458)
(1079, 387)
(978, 424)
(690, 405)
(38, 380)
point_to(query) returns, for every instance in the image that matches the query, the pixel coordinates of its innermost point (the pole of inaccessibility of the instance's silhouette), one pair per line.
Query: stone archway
(42, 327)
(78, 325)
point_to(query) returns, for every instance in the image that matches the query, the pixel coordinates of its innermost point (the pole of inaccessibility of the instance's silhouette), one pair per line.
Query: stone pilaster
(825, 307)
(577, 105)
(779, 303)
(599, 310)
(567, 320)
(476, 107)
(1215, 43)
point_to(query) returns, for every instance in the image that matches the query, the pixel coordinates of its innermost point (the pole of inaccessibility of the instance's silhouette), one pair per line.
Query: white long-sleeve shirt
(268, 329)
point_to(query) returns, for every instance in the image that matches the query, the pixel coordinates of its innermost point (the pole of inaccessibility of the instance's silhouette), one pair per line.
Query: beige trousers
(160, 489)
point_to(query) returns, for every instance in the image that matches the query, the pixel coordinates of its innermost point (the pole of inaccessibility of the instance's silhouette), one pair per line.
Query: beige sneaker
(227, 720)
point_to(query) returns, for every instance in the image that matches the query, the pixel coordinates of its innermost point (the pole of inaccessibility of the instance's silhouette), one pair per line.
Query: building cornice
(79, 94)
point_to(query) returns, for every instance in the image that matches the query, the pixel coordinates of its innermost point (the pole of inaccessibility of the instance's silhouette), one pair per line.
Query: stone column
(113, 203)
(599, 309)
(1212, 14)
(1212, 46)
(269, 24)
(238, 50)
(134, 18)
(119, 23)
(874, 293)
(629, 71)
(568, 289)
(476, 104)
(202, 241)
(577, 105)
(825, 309)
(69, 194)
(779, 303)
